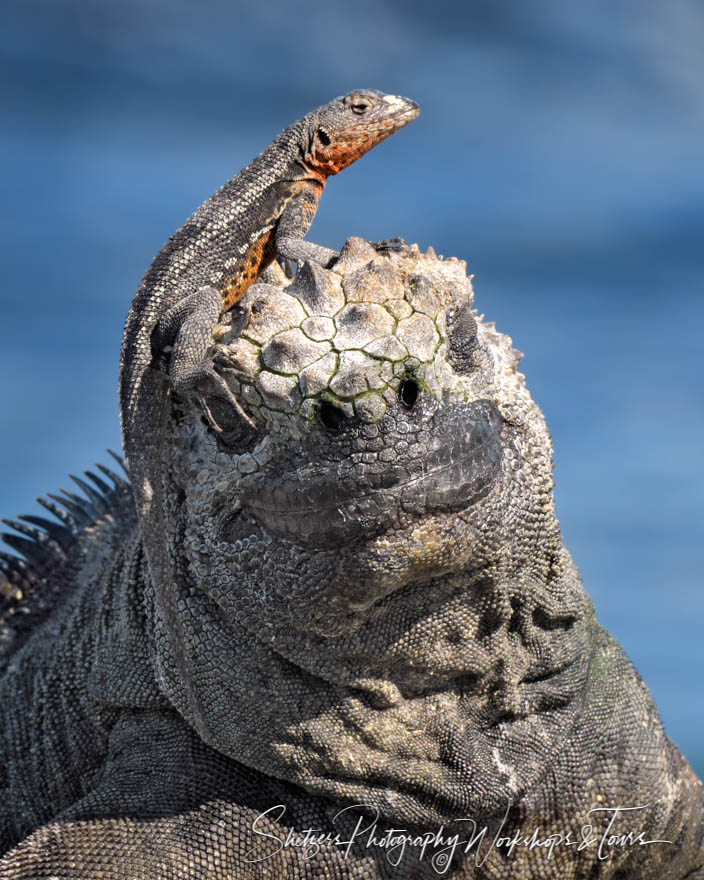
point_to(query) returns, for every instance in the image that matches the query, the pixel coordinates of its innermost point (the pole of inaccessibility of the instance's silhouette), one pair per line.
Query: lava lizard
(261, 213)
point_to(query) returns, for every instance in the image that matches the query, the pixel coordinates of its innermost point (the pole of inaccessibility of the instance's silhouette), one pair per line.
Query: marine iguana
(339, 608)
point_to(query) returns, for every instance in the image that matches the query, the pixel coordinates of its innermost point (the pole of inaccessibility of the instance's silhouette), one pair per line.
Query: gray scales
(345, 591)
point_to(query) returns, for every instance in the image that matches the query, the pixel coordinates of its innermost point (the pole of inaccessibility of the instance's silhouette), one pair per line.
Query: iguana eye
(408, 392)
(324, 137)
(360, 107)
(330, 416)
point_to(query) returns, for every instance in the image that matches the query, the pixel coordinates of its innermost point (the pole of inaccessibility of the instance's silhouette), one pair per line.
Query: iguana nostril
(330, 416)
(408, 392)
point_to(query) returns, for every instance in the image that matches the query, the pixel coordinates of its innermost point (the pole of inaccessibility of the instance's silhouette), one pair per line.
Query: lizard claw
(192, 388)
(230, 398)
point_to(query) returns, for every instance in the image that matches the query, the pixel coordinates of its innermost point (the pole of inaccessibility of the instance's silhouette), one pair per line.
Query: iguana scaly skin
(347, 593)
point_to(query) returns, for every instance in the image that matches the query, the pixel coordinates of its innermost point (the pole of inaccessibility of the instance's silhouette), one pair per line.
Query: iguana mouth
(310, 505)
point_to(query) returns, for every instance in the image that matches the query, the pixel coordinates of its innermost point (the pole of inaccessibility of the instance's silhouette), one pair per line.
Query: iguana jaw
(321, 510)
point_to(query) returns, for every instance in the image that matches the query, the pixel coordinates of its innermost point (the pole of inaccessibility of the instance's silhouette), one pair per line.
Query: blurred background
(559, 151)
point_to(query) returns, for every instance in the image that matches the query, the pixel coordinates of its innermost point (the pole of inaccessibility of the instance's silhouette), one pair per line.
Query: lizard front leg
(295, 221)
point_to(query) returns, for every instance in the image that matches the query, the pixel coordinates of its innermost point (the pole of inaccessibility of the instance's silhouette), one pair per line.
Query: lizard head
(378, 552)
(348, 127)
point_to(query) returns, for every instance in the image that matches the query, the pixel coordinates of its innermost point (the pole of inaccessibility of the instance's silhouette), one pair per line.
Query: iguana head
(368, 590)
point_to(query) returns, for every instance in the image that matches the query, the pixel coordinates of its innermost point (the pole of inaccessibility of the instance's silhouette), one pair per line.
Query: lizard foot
(299, 250)
(186, 332)
(209, 391)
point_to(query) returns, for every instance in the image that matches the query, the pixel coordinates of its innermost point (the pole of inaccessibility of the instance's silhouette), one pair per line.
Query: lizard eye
(324, 137)
(358, 102)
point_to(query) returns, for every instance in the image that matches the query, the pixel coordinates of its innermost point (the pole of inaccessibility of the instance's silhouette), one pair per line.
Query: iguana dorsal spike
(101, 484)
(35, 552)
(64, 516)
(17, 572)
(118, 480)
(96, 499)
(56, 531)
(39, 536)
(35, 581)
(75, 505)
(119, 459)
(30, 532)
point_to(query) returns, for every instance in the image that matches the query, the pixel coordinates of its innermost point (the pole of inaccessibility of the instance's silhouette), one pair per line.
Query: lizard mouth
(312, 506)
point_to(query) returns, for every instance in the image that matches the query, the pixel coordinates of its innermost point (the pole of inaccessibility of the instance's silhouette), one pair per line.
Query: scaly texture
(234, 237)
(357, 595)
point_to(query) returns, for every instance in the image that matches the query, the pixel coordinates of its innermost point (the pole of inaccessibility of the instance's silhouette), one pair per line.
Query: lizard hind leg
(187, 328)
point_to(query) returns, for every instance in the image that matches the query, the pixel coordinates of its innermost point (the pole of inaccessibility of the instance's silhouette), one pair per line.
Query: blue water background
(559, 151)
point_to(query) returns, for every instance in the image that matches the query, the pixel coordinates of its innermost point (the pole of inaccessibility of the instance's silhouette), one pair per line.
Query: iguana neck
(484, 659)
